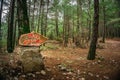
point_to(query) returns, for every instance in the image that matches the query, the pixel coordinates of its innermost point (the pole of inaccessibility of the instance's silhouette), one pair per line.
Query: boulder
(29, 58)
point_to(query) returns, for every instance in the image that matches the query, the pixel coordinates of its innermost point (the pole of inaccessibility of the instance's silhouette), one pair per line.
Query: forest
(59, 39)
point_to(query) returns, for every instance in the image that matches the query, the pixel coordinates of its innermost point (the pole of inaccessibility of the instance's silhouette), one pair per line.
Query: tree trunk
(104, 24)
(10, 37)
(0, 25)
(73, 25)
(42, 20)
(92, 50)
(23, 20)
(39, 16)
(46, 22)
(65, 36)
(89, 20)
(56, 17)
(56, 23)
(32, 23)
(79, 23)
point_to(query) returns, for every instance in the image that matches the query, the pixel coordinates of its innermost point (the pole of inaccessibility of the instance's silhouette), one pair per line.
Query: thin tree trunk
(42, 20)
(79, 22)
(73, 27)
(92, 50)
(0, 25)
(29, 8)
(56, 18)
(32, 23)
(89, 20)
(39, 16)
(65, 30)
(10, 38)
(46, 23)
(56, 23)
(104, 25)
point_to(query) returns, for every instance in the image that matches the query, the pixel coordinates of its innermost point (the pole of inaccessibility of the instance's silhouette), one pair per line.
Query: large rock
(28, 54)
(29, 57)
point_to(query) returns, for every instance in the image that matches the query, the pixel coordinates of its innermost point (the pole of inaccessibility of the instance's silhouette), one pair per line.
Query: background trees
(63, 20)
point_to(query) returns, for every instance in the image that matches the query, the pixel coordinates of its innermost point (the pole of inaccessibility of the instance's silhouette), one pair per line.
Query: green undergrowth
(49, 47)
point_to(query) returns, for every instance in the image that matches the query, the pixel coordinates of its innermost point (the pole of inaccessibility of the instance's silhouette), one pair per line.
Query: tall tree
(56, 16)
(10, 38)
(46, 17)
(0, 23)
(39, 15)
(104, 22)
(89, 20)
(79, 22)
(42, 17)
(92, 50)
(33, 16)
(23, 20)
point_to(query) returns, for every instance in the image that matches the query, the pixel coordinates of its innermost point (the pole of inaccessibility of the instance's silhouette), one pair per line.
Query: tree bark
(32, 23)
(89, 20)
(56, 17)
(46, 21)
(39, 16)
(10, 37)
(0, 25)
(23, 20)
(42, 19)
(92, 50)
(104, 24)
(79, 22)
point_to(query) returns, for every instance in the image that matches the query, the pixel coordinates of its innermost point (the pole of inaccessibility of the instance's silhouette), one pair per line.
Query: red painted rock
(32, 39)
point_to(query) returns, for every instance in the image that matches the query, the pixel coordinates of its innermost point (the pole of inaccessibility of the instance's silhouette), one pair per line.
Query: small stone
(78, 71)
(63, 68)
(84, 72)
(67, 77)
(54, 67)
(113, 61)
(73, 78)
(33, 75)
(58, 59)
(43, 72)
(106, 77)
(37, 72)
(69, 73)
(90, 74)
(97, 76)
(29, 74)
(48, 69)
(23, 76)
(99, 61)
(15, 78)
(64, 74)
(52, 78)
(82, 79)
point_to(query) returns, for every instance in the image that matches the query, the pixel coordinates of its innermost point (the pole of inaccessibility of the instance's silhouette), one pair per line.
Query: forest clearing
(59, 39)
(72, 64)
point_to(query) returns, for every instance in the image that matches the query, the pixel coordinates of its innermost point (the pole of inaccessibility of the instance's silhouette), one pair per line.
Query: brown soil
(72, 64)
(104, 67)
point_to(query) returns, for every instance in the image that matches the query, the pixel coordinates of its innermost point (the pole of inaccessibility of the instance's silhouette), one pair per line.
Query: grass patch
(49, 47)
(3, 42)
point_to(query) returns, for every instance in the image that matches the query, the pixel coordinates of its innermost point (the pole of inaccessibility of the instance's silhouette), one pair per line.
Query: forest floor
(72, 64)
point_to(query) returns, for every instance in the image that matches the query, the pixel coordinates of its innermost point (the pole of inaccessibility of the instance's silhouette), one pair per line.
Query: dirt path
(104, 67)
(71, 63)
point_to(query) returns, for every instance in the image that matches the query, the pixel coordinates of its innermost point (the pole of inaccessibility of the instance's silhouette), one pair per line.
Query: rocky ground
(71, 63)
